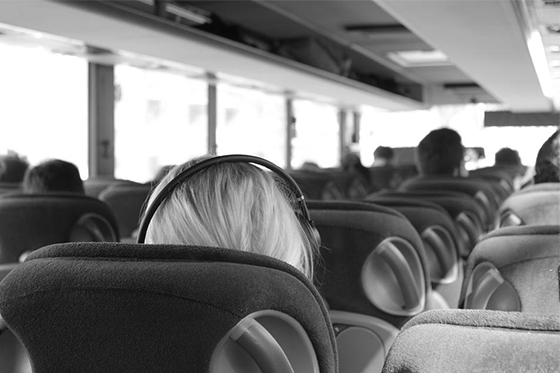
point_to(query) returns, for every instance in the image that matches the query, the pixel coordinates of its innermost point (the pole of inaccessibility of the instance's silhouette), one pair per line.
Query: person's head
(162, 172)
(441, 153)
(547, 166)
(507, 157)
(383, 155)
(53, 175)
(351, 161)
(12, 168)
(233, 205)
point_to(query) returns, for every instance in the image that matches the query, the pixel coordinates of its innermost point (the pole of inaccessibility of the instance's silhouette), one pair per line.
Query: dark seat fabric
(127, 202)
(480, 191)
(537, 204)
(467, 215)
(94, 186)
(465, 341)
(115, 307)
(441, 242)
(30, 221)
(527, 259)
(317, 185)
(350, 233)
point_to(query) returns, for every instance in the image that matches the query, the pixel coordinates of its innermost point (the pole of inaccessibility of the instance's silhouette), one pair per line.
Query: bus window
(251, 122)
(316, 135)
(160, 119)
(44, 105)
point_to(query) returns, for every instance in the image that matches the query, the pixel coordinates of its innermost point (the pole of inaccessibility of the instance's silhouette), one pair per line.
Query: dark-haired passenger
(12, 168)
(441, 152)
(53, 175)
(547, 166)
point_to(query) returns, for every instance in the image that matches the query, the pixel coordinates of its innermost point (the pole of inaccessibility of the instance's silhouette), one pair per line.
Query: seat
(127, 202)
(116, 307)
(94, 186)
(441, 243)
(30, 221)
(9, 187)
(537, 204)
(465, 341)
(317, 185)
(372, 273)
(467, 215)
(515, 269)
(482, 193)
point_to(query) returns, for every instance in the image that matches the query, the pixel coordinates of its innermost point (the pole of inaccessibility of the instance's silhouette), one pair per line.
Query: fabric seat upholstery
(30, 221)
(465, 341)
(115, 307)
(537, 204)
(515, 269)
(127, 202)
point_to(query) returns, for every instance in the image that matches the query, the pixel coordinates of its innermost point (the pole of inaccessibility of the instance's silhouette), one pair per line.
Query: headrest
(30, 221)
(526, 258)
(538, 204)
(373, 262)
(130, 307)
(464, 341)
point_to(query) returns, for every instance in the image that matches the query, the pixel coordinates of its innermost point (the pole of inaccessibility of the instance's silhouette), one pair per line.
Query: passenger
(547, 166)
(53, 176)
(351, 163)
(507, 157)
(383, 156)
(233, 205)
(441, 152)
(383, 173)
(12, 168)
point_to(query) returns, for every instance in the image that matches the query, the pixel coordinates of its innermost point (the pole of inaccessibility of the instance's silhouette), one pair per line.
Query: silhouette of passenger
(441, 152)
(53, 175)
(383, 173)
(12, 168)
(233, 205)
(547, 166)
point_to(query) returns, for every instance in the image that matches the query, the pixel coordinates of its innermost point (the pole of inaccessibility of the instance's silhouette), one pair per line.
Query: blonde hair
(232, 205)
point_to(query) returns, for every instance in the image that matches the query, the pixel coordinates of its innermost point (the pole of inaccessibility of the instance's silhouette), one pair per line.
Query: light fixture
(555, 63)
(418, 58)
(553, 48)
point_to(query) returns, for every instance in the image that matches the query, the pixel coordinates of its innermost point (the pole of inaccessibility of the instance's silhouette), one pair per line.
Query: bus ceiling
(386, 54)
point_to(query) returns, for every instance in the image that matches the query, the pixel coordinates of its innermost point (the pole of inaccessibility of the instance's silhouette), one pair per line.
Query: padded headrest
(537, 204)
(127, 202)
(464, 341)
(527, 258)
(429, 219)
(30, 221)
(353, 234)
(150, 308)
(478, 189)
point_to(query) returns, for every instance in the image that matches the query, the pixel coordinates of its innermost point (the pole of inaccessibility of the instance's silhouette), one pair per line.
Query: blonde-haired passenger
(233, 205)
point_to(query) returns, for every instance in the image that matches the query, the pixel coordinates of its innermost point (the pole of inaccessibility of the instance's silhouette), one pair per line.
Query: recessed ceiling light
(555, 63)
(554, 48)
(419, 58)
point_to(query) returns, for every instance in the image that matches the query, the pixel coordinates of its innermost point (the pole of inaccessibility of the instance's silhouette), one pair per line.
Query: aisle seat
(115, 307)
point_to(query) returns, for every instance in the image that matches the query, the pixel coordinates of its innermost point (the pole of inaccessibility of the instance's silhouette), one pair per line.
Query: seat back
(465, 341)
(440, 238)
(482, 193)
(30, 221)
(537, 204)
(467, 215)
(116, 307)
(318, 185)
(94, 186)
(515, 269)
(127, 202)
(372, 273)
